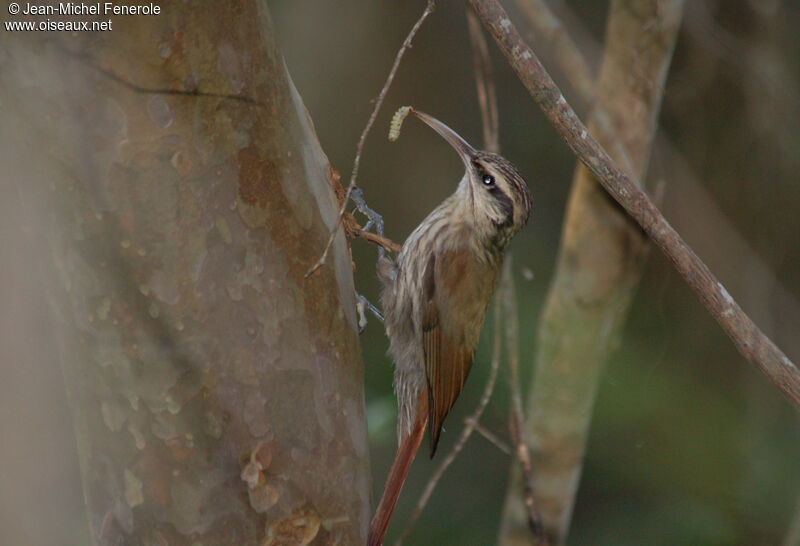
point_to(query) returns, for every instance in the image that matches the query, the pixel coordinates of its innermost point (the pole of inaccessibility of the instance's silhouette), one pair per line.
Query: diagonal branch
(751, 342)
(562, 44)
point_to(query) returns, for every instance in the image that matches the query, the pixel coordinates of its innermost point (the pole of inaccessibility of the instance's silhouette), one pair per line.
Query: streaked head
(498, 191)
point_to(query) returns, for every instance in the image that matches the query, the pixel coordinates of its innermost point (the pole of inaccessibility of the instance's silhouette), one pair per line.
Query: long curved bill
(465, 151)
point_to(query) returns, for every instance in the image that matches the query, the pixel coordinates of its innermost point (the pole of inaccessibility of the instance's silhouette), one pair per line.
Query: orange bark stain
(256, 177)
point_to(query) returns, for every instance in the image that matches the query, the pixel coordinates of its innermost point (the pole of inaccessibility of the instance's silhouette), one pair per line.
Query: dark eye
(488, 180)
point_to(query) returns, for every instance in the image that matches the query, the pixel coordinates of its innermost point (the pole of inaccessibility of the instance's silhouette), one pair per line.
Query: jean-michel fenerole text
(100, 8)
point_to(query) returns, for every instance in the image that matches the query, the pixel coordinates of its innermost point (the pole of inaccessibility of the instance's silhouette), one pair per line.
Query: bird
(435, 295)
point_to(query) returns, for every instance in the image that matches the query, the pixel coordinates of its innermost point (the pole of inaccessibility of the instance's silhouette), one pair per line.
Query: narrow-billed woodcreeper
(435, 298)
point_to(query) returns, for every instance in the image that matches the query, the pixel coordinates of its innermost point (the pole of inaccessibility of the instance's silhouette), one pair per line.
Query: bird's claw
(362, 306)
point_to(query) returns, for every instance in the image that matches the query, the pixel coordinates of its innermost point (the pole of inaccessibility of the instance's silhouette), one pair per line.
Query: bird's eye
(488, 180)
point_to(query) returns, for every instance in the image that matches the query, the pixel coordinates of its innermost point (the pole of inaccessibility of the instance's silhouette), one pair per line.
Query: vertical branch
(517, 420)
(600, 263)
(484, 83)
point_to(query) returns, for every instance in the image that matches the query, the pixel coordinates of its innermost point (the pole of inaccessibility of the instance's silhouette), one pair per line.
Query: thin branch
(751, 342)
(351, 226)
(468, 428)
(490, 436)
(376, 239)
(360, 147)
(517, 421)
(484, 83)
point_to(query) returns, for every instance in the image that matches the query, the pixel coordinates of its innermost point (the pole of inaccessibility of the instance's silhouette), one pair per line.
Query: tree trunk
(599, 266)
(217, 393)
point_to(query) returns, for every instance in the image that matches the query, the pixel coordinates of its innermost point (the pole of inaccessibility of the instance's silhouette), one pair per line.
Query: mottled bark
(599, 266)
(217, 393)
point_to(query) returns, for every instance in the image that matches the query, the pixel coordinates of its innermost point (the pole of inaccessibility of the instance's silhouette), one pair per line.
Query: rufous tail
(397, 475)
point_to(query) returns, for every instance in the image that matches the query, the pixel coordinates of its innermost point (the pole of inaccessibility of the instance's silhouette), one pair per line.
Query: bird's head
(493, 190)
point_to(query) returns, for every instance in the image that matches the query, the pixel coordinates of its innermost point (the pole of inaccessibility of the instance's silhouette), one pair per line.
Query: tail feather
(394, 482)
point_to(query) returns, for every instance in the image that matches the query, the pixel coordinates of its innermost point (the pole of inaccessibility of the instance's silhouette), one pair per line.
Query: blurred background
(689, 443)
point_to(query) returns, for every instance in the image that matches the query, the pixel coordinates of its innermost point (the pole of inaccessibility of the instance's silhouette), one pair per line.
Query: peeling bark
(598, 270)
(217, 393)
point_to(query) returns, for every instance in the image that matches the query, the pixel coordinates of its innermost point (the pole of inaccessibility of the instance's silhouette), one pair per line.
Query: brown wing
(457, 291)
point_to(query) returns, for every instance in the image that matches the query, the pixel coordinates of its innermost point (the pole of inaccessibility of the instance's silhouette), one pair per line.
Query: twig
(351, 226)
(517, 421)
(376, 239)
(360, 147)
(484, 83)
(751, 342)
(490, 436)
(468, 428)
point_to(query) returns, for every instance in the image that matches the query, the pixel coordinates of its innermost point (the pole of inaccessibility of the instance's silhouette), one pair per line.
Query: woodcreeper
(435, 297)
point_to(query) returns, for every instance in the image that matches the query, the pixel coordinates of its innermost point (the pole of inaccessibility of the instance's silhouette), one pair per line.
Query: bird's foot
(362, 306)
(374, 220)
